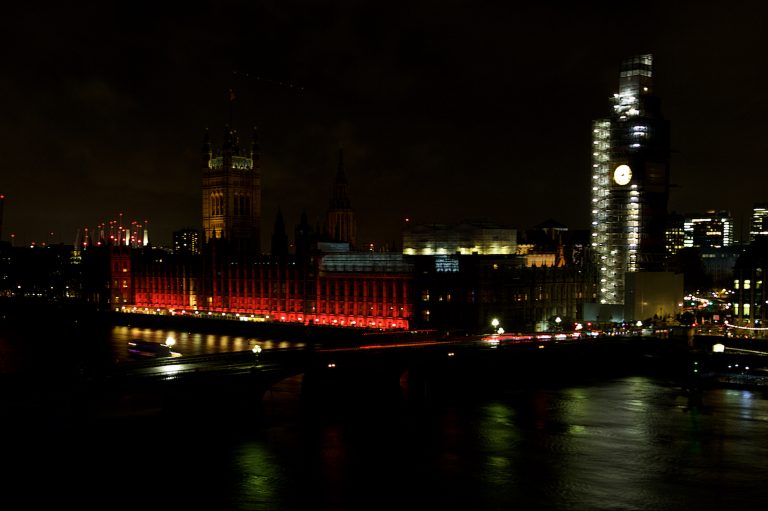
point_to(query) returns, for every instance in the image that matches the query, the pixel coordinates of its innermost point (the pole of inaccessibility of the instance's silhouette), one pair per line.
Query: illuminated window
(425, 316)
(735, 284)
(746, 284)
(425, 295)
(746, 309)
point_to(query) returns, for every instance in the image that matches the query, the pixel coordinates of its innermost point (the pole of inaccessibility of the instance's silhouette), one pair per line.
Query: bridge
(368, 371)
(372, 371)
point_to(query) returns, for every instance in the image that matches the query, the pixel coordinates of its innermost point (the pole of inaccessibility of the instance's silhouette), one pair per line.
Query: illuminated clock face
(622, 175)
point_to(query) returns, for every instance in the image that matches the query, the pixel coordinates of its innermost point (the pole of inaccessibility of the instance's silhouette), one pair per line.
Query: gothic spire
(279, 236)
(340, 199)
(206, 148)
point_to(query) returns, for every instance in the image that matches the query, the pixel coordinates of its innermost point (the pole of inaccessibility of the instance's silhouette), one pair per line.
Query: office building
(759, 225)
(713, 229)
(186, 241)
(675, 235)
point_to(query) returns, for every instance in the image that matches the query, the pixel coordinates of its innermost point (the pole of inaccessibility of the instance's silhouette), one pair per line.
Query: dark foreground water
(632, 442)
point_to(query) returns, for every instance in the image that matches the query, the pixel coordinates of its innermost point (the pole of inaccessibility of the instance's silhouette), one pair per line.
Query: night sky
(446, 111)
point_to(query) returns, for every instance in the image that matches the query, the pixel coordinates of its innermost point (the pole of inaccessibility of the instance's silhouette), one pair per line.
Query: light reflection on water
(628, 443)
(191, 343)
(631, 443)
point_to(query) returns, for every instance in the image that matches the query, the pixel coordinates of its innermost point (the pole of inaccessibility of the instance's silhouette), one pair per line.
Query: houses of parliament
(324, 280)
(461, 277)
(447, 277)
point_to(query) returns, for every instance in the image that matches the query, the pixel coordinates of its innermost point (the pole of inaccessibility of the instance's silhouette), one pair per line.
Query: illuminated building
(552, 244)
(358, 289)
(675, 234)
(524, 282)
(231, 198)
(749, 296)
(710, 236)
(364, 289)
(759, 227)
(713, 229)
(630, 182)
(186, 241)
(465, 238)
(466, 292)
(323, 282)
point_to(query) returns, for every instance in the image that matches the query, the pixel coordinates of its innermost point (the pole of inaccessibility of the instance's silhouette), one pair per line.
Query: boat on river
(141, 348)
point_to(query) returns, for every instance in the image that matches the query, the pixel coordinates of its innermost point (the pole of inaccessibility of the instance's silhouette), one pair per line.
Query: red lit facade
(372, 301)
(266, 288)
(231, 277)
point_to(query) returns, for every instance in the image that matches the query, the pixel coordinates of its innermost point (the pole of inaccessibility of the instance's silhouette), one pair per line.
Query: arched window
(217, 204)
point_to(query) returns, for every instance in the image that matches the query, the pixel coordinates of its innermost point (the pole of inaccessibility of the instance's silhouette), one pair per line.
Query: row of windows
(357, 309)
(241, 204)
(746, 310)
(119, 266)
(266, 305)
(217, 204)
(747, 284)
(389, 289)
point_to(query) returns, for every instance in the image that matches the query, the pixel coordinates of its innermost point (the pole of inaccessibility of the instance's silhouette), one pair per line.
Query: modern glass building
(759, 226)
(713, 229)
(630, 181)
(675, 233)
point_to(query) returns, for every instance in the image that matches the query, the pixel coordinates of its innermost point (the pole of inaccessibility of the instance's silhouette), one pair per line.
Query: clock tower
(630, 182)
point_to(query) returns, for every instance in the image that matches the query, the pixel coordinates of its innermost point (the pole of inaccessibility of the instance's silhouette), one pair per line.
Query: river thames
(633, 441)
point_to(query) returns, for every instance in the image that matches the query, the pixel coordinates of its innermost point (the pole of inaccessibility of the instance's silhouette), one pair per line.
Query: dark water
(633, 442)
